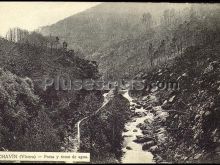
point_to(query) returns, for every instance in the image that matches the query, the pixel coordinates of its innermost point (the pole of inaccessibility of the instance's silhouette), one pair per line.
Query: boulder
(142, 139)
(134, 101)
(139, 125)
(127, 136)
(148, 107)
(152, 111)
(146, 98)
(166, 106)
(128, 148)
(138, 106)
(158, 159)
(144, 104)
(143, 127)
(139, 103)
(145, 132)
(132, 105)
(146, 121)
(147, 145)
(139, 114)
(125, 130)
(132, 109)
(134, 120)
(153, 149)
(135, 130)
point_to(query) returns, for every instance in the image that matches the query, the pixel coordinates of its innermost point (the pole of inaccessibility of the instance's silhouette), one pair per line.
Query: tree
(163, 47)
(51, 41)
(166, 17)
(57, 41)
(65, 45)
(150, 52)
(172, 17)
(147, 20)
(173, 45)
(20, 111)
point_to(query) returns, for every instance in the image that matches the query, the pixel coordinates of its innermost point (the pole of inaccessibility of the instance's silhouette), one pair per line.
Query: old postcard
(101, 82)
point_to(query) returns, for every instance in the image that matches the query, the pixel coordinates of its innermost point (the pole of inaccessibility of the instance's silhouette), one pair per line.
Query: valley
(156, 44)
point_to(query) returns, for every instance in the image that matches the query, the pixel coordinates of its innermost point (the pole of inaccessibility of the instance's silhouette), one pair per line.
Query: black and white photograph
(109, 82)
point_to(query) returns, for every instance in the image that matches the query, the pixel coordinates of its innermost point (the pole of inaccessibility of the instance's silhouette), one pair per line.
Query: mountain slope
(104, 24)
(114, 34)
(192, 111)
(39, 64)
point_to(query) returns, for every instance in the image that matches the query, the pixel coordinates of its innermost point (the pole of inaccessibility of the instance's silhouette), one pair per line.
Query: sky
(32, 15)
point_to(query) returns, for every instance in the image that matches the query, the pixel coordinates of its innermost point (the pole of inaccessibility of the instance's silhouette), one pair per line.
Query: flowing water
(133, 152)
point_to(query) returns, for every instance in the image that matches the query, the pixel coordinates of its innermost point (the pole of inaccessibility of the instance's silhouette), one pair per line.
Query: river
(133, 152)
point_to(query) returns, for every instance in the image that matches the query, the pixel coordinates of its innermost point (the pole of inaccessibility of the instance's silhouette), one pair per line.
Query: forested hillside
(24, 121)
(154, 46)
(188, 130)
(35, 119)
(104, 24)
(127, 35)
(38, 63)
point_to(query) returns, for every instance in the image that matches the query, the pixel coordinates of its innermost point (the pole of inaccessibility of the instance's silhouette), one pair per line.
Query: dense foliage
(193, 123)
(24, 124)
(53, 113)
(102, 133)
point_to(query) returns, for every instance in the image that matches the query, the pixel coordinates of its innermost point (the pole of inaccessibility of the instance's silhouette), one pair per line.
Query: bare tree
(150, 52)
(147, 20)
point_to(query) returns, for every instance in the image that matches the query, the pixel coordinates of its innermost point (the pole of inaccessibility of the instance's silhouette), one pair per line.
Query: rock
(158, 159)
(127, 136)
(134, 101)
(139, 114)
(172, 98)
(135, 130)
(133, 114)
(134, 120)
(138, 106)
(142, 139)
(144, 126)
(197, 156)
(148, 108)
(132, 109)
(128, 148)
(145, 106)
(146, 121)
(139, 125)
(146, 98)
(139, 103)
(209, 69)
(153, 149)
(132, 105)
(164, 102)
(145, 132)
(166, 106)
(125, 130)
(151, 111)
(147, 145)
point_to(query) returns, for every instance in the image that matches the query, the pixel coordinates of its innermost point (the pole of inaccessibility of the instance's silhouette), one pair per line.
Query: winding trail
(107, 97)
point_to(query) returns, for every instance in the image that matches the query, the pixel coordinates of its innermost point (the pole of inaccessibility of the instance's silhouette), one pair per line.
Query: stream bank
(144, 131)
(132, 149)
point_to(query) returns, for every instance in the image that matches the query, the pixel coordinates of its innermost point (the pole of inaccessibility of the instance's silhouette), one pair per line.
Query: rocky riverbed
(144, 130)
